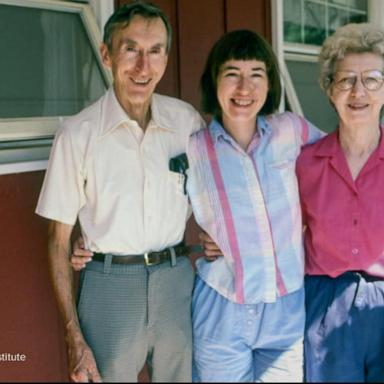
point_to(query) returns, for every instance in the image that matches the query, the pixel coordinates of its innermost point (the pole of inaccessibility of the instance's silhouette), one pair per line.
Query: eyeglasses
(371, 80)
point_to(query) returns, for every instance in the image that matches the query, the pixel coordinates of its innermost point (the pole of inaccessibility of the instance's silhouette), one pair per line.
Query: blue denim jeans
(344, 339)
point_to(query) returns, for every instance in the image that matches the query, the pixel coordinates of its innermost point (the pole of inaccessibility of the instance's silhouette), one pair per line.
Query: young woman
(248, 306)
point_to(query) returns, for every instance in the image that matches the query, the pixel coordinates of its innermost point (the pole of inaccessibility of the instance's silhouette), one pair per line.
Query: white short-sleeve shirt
(116, 179)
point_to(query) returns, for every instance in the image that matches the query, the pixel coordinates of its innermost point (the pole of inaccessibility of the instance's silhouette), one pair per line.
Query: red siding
(198, 28)
(250, 14)
(30, 323)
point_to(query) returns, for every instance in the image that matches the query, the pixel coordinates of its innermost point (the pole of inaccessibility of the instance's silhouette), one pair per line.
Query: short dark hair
(240, 44)
(124, 15)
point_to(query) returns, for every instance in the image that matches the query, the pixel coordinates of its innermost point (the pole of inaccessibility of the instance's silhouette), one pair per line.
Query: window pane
(314, 24)
(311, 21)
(355, 17)
(48, 67)
(336, 18)
(292, 21)
(357, 4)
(314, 102)
(340, 2)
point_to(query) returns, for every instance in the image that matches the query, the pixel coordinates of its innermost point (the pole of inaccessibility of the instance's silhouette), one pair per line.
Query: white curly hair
(350, 38)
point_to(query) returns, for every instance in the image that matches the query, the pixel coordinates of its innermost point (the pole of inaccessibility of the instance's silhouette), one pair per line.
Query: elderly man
(109, 167)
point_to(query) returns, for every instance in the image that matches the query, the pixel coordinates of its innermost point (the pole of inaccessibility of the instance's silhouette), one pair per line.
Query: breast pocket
(176, 182)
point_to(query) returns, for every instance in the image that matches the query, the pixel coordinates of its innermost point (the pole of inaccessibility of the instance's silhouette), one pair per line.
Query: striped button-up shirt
(248, 202)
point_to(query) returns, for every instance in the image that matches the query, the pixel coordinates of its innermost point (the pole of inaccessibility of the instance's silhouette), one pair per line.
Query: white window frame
(15, 130)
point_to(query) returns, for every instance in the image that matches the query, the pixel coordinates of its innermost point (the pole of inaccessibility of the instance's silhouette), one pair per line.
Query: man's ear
(104, 52)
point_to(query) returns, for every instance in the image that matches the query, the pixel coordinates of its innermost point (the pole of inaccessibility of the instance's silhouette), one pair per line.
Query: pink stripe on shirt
(229, 223)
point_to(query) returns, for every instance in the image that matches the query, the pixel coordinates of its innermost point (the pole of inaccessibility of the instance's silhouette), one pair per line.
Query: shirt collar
(218, 131)
(330, 146)
(113, 115)
(263, 125)
(162, 116)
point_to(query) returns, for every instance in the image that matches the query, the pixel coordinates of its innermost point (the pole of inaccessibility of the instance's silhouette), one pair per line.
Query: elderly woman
(341, 183)
(248, 306)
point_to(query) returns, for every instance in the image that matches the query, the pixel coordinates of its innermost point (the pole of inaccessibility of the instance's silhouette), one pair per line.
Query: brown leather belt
(150, 258)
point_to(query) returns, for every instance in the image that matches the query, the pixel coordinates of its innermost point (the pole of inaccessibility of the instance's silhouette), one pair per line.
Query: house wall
(29, 320)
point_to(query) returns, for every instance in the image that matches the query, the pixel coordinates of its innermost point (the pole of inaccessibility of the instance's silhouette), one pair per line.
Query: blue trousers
(247, 342)
(344, 336)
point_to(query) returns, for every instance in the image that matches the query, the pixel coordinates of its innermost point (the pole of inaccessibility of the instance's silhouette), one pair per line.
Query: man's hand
(80, 256)
(211, 250)
(82, 364)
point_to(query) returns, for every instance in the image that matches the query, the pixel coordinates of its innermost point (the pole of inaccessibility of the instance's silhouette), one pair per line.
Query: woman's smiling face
(357, 105)
(242, 89)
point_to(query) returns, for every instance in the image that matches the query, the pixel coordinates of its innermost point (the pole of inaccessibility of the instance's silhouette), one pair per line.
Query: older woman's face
(242, 89)
(358, 104)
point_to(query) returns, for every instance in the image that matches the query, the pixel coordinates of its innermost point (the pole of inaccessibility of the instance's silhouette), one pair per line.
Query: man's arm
(81, 256)
(82, 365)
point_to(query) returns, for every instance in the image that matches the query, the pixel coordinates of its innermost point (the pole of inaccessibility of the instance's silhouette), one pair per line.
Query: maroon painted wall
(29, 319)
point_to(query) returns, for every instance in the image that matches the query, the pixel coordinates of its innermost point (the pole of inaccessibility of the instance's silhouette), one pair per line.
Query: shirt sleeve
(198, 123)
(62, 194)
(307, 132)
(299, 173)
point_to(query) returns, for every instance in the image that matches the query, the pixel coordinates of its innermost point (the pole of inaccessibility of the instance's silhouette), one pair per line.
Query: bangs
(243, 46)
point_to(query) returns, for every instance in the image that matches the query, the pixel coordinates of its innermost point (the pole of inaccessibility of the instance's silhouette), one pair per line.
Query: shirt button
(249, 322)
(355, 251)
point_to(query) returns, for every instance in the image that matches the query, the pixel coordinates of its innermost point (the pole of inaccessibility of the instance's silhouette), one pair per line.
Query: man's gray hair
(124, 15)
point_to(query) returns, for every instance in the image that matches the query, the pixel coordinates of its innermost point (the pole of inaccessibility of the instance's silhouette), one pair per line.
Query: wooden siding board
(249, 14)
(30, 322)
(201, 23)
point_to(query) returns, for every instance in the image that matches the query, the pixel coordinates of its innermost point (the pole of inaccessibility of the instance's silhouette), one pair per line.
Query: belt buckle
(147, 261)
